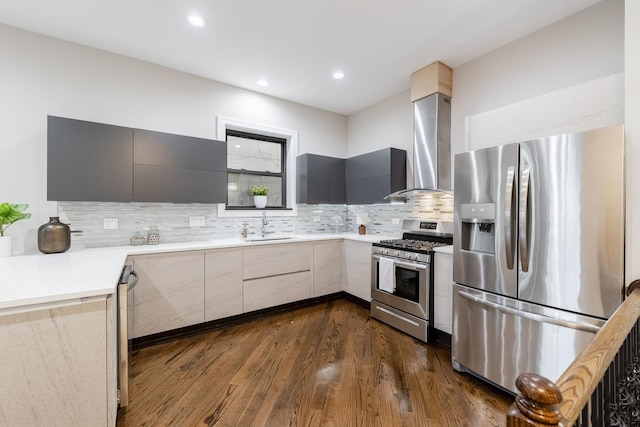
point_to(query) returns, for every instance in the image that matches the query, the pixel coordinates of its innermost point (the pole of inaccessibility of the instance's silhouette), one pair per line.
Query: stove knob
(396, 253)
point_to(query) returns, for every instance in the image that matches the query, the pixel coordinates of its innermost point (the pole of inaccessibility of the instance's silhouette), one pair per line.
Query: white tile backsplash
(172, 219)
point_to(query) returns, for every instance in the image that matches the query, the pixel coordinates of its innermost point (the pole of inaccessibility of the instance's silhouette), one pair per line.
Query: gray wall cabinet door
(88, 161)
(165, 149)
(372, 176)
(179, 169)
(320, 179)
(338, 185)
(178, 185)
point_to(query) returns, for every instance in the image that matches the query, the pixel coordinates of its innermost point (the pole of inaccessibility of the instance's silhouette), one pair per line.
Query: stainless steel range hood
(431, 147)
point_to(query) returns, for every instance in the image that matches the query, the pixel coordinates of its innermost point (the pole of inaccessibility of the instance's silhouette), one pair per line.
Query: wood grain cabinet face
(54, 367)
(271, 291)
(328, 267)
(276, 274)
(272, 260)
(358, 268)
(222, 283)
(442, 292)
(170, 292)
(88, 161)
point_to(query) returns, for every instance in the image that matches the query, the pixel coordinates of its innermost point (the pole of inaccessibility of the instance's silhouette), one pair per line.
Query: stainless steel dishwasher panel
(128, 279)
(497, 338)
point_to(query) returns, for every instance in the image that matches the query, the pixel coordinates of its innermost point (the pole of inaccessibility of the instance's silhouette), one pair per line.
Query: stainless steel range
(402, 277)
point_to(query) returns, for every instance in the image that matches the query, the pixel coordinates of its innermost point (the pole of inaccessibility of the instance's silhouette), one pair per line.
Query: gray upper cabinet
(363, 179)
(320, 179)
(337, 184)
(180, 169)
(372, 176)
(88, 161)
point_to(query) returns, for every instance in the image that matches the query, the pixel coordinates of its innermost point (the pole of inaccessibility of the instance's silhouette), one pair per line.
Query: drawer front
(271, 291)
(272, 260)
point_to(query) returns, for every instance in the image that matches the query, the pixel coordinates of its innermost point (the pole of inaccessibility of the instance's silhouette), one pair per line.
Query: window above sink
(289, 145)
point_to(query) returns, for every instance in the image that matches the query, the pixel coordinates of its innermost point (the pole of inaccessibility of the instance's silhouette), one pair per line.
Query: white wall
(581, 48)
(632, 130)
(42, 76)
(388, 123)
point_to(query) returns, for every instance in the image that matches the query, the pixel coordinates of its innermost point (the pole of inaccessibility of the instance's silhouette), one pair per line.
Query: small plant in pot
(259, 195)
(10, 213)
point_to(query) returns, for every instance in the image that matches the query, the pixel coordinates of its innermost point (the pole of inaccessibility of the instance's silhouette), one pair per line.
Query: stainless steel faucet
(264, 223)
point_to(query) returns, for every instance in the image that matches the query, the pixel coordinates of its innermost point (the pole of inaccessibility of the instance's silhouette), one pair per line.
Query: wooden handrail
(543, 403)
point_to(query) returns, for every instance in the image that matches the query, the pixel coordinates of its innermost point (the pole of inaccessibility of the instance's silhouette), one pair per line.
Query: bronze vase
(54, 237)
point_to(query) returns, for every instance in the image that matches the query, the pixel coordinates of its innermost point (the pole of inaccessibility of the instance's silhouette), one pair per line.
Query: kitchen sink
(267, 239)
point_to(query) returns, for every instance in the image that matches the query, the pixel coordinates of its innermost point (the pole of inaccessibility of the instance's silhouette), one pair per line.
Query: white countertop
(32, 280)
(448, 249)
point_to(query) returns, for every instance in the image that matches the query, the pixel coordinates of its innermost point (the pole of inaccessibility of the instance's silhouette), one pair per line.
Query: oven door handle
(409, 265)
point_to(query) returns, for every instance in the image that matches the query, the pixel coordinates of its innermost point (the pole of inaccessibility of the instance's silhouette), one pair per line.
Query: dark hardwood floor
(325, 365)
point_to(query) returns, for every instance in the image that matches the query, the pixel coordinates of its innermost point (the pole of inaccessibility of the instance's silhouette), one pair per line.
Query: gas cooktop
(410, 244)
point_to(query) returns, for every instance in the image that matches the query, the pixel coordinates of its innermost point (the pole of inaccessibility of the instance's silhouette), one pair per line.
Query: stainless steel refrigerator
(538, 252)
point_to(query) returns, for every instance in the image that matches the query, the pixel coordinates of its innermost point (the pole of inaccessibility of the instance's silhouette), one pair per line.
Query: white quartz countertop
(448, 249)
(32, 280)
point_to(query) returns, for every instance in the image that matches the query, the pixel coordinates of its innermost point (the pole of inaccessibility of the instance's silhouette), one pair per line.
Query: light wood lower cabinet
(276, 274)
(443, 292)
(55, 366)
(170, 292)
(276, 290)
(328, 267)
(357, 257)
(271, 260)
(222, 283)
(180, 289)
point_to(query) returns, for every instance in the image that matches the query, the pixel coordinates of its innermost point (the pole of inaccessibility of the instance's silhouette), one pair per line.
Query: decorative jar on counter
(137, 239)
(54, 236)
(153, 235)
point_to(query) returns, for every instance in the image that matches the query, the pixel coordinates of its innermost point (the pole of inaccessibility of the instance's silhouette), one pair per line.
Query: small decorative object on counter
(153, 236)
(54, 236)
(137, 239)
(244, 230)
(10, 213)
(362, 219)
(259, 193)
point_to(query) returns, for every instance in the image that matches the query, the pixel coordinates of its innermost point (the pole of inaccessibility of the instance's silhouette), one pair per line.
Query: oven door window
(407, 284)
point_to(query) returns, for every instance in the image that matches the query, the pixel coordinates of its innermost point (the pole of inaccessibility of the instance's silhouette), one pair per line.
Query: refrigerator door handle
(509, 218)
(531, 316)
(524, 227)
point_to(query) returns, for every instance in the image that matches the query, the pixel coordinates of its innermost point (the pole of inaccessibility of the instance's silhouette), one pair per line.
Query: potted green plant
(9, 214)
(259, 195)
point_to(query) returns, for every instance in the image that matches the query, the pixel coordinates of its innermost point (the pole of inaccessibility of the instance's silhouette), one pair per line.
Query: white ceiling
(295, 44)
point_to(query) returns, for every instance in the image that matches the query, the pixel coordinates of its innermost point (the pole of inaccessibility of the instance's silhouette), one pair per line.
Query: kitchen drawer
(271, 291)
(272, 260)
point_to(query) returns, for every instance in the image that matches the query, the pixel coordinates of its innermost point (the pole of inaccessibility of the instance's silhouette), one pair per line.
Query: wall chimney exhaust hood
(431, 147)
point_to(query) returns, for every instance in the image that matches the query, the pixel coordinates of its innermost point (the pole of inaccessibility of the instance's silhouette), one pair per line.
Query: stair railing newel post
(538, 403)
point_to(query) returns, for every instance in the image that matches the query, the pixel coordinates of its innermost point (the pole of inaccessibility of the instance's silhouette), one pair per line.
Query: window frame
(283, 166)
(291, 149)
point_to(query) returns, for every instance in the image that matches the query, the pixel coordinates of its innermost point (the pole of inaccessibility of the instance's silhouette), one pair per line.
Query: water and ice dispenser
(478, 227)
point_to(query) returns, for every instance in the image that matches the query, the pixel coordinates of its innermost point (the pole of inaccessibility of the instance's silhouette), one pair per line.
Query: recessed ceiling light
(196, 21)
(263, 83)
(338, 75)
(237, 145)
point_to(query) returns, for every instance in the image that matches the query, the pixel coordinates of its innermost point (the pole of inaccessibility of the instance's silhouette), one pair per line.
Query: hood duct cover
(432, 143)
(431, 147)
